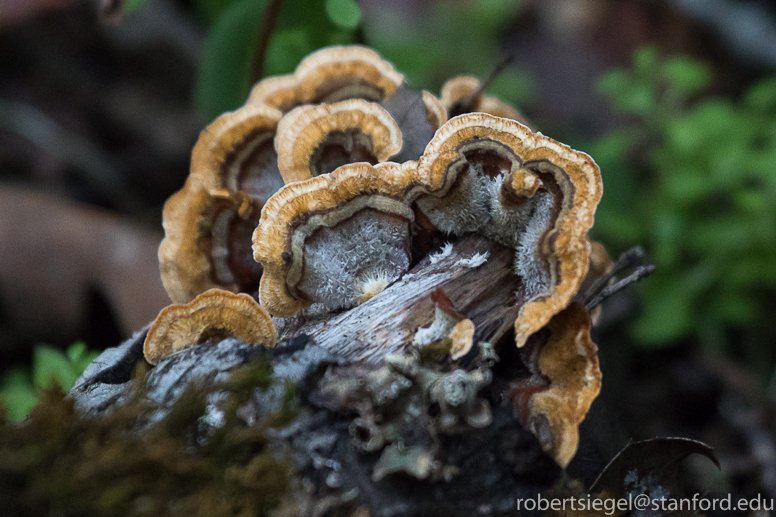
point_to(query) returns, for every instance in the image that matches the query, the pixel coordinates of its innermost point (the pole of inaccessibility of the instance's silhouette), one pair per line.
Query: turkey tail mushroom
(210, 317)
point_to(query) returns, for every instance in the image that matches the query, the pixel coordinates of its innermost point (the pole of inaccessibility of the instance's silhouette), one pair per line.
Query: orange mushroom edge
(211, 317)
(496, 177)
(436, 112)
(236, 152)
(330, 74)
(314, 140)
(336, 239)
(207, 243)
(461, 95)
(569, 359)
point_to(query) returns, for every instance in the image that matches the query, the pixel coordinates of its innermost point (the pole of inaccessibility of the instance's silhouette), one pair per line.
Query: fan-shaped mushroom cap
(212, 316)
(236, 152)
(569, 360)
(329, 75)
(315, 140)
(333, 238)
(496, 176)
(458, 98)
(207, 243)
(436, 112)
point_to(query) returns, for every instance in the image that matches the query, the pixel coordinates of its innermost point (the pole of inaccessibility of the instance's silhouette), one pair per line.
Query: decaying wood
(387, 323)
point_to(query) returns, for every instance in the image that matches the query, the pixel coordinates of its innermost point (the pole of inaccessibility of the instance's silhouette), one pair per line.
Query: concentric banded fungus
(236, 153)
(569, 360)
(527, 191)
(207, 243)
(330, 75)
(212, 316)
(315, 140)
(336, 239)
(436, 112)
(460, 95)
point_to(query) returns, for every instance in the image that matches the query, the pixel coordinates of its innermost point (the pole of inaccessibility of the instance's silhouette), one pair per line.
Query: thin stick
(628, 259)
(467, 102)
(638, 274)
(268, 23)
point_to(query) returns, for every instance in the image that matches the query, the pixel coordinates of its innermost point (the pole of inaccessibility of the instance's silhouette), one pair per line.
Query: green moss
(435, 352)
(59, 464)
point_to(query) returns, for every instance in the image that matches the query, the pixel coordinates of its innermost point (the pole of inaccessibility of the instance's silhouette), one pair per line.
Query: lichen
(402, 407)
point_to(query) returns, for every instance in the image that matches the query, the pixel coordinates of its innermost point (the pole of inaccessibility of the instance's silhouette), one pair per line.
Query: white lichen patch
(475, 260)
(440, 328)
(446, 250)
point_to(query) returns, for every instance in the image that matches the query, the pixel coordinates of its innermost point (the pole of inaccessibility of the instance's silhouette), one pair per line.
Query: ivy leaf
(343, 13)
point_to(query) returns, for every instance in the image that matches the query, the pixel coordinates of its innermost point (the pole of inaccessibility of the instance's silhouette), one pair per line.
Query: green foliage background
(692, 178)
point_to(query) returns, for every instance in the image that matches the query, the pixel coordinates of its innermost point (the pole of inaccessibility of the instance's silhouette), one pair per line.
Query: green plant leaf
(668, 316)
(645, 61)
(50, 366)
(287, 47)
(18, 401)
(343, 13)
(686, 75)
(761, 95)
(210, 10)
(613, 82)
(514, 86)
(131, 6)
(76, 351)
(223, 80)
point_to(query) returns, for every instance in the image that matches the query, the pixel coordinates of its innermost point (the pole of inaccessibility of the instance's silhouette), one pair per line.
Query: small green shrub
(20, 387)
(693, 179)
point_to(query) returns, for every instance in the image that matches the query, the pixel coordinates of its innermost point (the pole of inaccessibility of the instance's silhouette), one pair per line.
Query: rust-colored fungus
(212, 316)
(315, 140)
(330, 74)
(569, 359)
(496, 177)
(336, 239)
(207, 243)
(236, 152)
(461, 95)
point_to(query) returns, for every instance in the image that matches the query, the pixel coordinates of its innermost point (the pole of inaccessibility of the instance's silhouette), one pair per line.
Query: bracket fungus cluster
(339, 189)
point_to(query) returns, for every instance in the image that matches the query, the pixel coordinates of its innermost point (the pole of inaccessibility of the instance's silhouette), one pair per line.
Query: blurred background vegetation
(101, 102)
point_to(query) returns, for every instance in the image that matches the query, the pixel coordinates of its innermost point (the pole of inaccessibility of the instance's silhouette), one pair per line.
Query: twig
(484, 85)
(268, 23)
(607, 285)
(466, 104)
